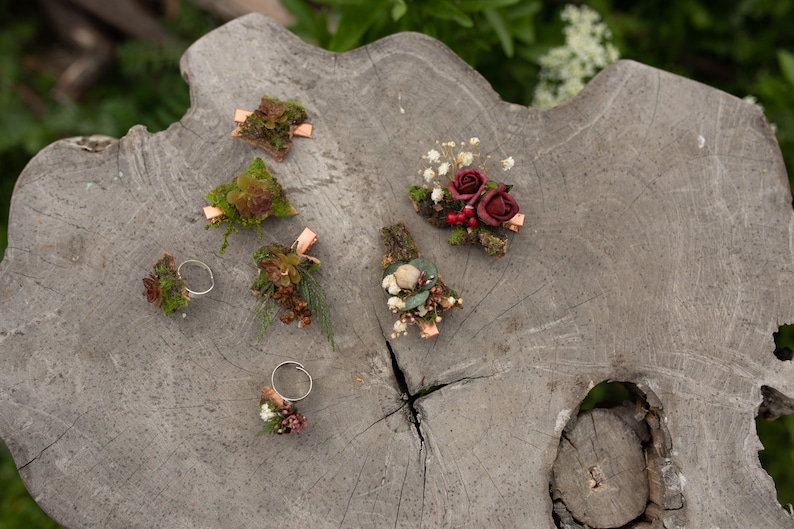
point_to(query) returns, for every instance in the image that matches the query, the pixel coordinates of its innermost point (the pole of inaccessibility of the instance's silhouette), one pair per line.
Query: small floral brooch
(417, 294)
(165, 287)
(279, 415)
(246, 201)
(480, 210)
(285, 280)
(272, 125)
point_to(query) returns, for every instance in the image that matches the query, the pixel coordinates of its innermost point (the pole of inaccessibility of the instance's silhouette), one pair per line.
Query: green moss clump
(270, 126)
(278, 204)
(458, 236)
(164, 287)
(419, 193)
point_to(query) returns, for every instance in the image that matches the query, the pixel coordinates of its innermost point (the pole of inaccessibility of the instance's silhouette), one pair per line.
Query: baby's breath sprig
(457, 192)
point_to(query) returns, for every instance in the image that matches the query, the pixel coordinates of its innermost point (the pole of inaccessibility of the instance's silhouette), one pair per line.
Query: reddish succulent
(152, 290)
(252, 199)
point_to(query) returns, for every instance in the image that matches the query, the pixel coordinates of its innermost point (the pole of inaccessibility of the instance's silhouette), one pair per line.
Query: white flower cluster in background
(564, 70)
(754, 101)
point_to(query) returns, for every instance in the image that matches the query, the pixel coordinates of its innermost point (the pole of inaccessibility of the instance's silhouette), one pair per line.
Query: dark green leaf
(498, 23)
(786, 61)
(479, 5)
(398, 10)
(353, 24)
(444, 10)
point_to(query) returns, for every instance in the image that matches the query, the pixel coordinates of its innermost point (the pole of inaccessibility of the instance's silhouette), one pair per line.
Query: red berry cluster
(466, 216)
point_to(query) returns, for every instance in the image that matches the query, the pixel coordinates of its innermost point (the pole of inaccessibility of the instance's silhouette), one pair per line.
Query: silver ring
(299, 367)
(206, 267)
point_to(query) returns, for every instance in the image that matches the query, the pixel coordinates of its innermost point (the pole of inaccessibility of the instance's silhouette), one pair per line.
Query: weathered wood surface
(656, 250)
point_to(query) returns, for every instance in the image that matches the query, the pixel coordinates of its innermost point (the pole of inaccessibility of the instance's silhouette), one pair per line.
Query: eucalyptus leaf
(429, 269)
(416, 299)
(392, 268)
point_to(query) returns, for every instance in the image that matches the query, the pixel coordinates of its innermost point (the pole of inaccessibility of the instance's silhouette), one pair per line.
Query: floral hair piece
(165, 287)
(285, 280)
(272, 125)
(247, 200)
(417, 294)
(279, 415)
(480, 210)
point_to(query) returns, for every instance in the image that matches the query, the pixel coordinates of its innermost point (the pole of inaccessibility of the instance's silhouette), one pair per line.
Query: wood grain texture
(656, 250)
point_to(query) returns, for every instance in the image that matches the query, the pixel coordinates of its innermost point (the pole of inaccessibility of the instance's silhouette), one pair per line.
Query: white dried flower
(390, 285)
(421, 310)
(437, 195)
(464, 159)
(265, 412)
(508, 163)
(433, 156)
(452, 300)
(429, 175)
(395, 303)
(443, 169)
(400, 326)
(474, 142)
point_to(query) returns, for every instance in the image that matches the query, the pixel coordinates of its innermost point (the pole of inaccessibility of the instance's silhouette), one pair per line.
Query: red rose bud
(468, 185)
(497, 206)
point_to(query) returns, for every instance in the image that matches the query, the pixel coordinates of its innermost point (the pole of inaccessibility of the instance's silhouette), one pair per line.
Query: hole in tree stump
(775, 427)
(784, 342)
(614, 467)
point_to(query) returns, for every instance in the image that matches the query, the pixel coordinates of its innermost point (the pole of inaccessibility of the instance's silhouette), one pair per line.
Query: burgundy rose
(468, 185)
(497, 206)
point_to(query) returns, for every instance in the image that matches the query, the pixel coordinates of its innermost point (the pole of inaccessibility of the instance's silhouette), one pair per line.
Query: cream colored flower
(429, 175)
(508, 163)
(464, 159)
(395, 303)
(443, 169)
(437, 195)
(474, 142)
(433, 156)
(390, 285)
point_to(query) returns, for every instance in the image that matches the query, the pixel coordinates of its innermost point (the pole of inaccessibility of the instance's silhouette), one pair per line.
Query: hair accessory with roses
(417, 294)
(480, 210)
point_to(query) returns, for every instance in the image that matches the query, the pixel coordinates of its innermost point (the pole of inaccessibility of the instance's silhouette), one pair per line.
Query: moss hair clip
(285, 280)
(272, 125)
(478, 209)
(166, 288)
(417, 294)
(246, 201)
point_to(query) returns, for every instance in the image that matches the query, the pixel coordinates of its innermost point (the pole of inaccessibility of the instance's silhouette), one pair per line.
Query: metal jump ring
(206, 267)
(299, 367)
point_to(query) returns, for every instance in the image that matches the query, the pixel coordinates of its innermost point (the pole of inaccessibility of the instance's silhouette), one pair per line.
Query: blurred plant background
(81, 67)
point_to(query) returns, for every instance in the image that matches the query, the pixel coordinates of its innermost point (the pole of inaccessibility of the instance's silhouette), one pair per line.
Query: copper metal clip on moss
(417, 293)
(166, 288)
(285, 280)
(246, 201)
(272, 125)
(478, 209)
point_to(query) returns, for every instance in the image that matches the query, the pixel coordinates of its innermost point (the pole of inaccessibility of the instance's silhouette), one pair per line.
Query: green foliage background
(745, 47)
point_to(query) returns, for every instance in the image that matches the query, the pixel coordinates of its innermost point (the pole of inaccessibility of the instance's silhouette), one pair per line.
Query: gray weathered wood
(656, 250)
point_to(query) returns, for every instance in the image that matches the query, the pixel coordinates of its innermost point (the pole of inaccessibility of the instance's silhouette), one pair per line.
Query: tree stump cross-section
(655, 250)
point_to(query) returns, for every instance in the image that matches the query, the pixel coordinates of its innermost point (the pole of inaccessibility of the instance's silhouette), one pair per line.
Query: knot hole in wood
(615, 467)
